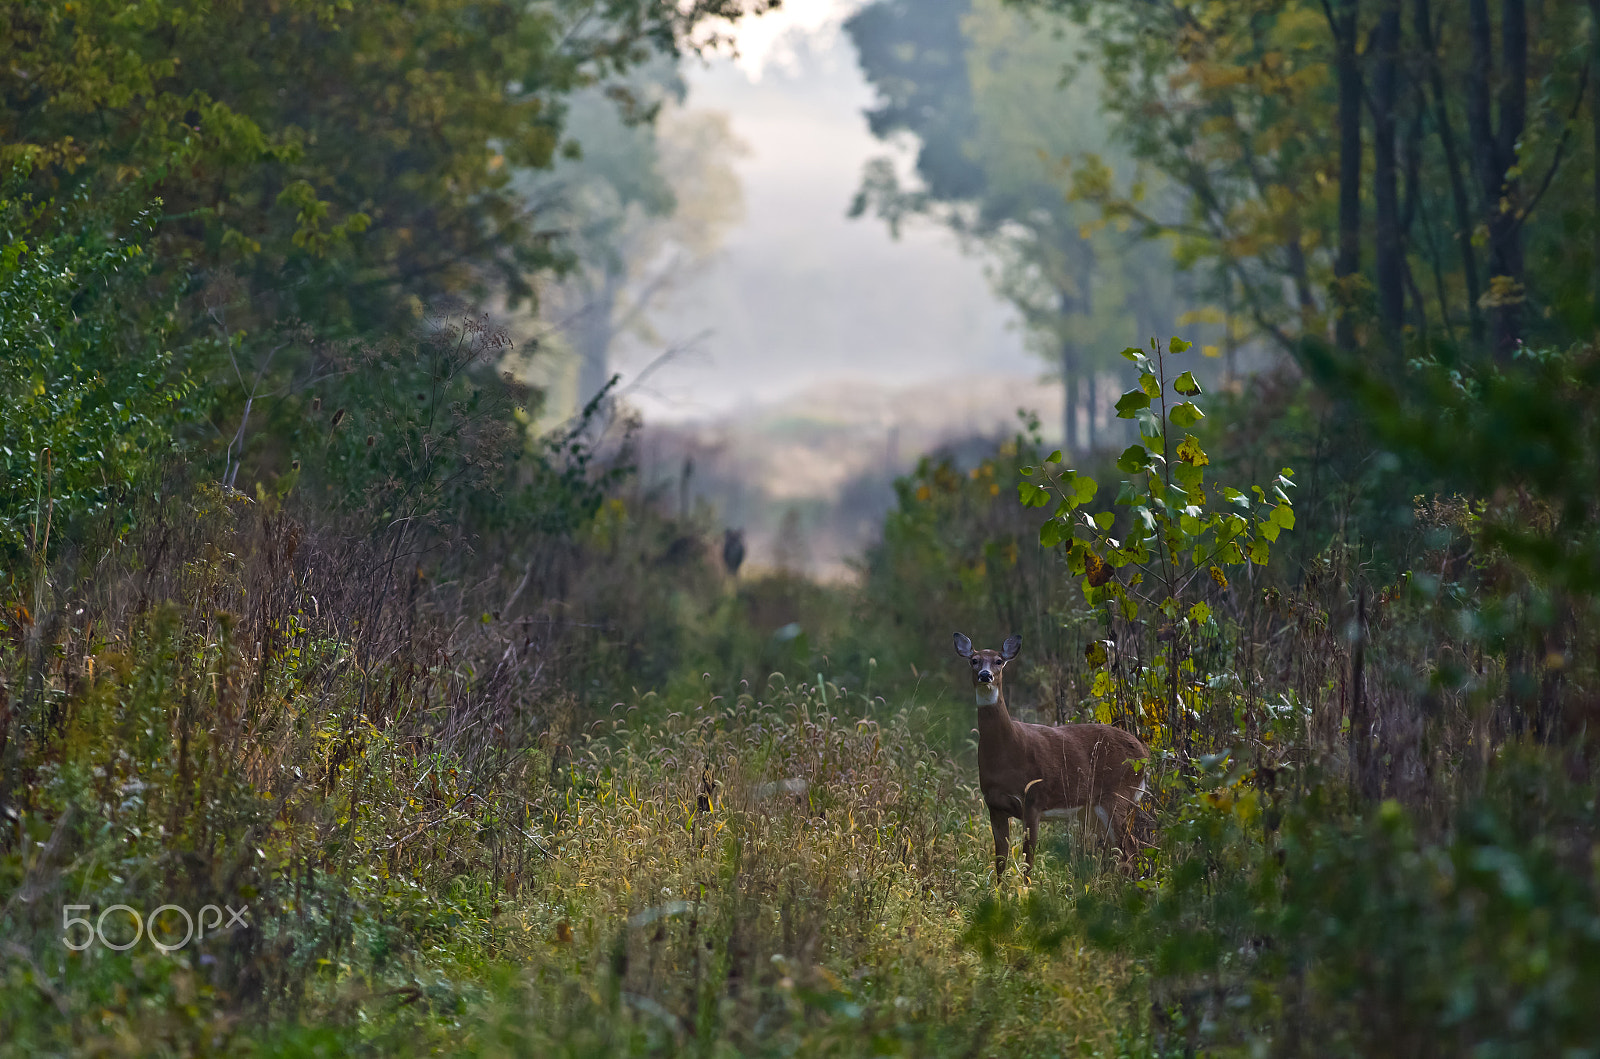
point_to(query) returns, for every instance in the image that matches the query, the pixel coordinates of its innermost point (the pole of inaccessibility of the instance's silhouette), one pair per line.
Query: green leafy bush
(1174, 532)
(89, 401)
(1362, 935)
(1174, 543)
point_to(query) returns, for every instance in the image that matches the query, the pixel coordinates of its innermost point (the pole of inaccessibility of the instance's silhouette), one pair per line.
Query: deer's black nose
(985, 677)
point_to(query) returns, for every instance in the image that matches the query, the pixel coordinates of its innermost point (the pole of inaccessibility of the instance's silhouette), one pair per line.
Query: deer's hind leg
(1031, 840)
(1000, 824)
(1107, 817)
(1120, 823)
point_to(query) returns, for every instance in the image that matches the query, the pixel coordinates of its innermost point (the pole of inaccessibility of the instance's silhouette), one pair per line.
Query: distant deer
(1034, 770)
(733, 550)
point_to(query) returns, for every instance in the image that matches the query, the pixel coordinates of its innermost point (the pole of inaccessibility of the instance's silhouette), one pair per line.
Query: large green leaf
(1130, 403)
(1134, 459)
(1186, 415)
(1189, 476)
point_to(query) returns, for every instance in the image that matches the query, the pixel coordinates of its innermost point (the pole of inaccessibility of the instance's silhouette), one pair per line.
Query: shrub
(89, 403)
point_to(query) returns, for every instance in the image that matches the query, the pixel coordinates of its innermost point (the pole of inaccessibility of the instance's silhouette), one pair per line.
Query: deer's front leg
(1000, 824)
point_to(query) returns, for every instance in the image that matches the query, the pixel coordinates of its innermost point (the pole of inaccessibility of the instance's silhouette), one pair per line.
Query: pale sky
(800, 295)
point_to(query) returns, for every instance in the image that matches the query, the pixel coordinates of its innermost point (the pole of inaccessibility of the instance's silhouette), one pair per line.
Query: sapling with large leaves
(1179, 533)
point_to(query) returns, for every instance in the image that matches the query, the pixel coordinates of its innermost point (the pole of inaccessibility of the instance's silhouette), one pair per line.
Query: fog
(801, 296)
(817, 355)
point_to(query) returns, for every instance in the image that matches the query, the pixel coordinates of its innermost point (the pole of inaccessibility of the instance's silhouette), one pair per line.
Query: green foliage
(1175, 530)
(959, 552)
(1237, 104)
(89, 395)
(325, 169)
(1359, 936)
(1524, 438)
(1395, 858)
(503, 763)
(341, 156)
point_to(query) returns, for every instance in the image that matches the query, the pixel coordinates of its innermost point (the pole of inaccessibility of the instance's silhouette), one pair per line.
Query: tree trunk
(1410, 204)
(1230, 342)
(1458, 186)
(1069, 410)
(1091, 401)
(1295, 252)
(593, 339)
(1594, 113)
(1389, 272)
(1505, 236)
(1073, 302)
(1348, 263)
(1494, 154)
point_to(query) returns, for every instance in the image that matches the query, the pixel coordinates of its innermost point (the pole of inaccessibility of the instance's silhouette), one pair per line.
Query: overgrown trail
(432, 854)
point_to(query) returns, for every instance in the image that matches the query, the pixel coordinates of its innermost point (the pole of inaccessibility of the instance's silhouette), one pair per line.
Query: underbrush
(1372, 828)
(439, 852)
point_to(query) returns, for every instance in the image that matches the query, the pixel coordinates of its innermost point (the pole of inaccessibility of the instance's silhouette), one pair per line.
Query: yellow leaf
(1189, 451)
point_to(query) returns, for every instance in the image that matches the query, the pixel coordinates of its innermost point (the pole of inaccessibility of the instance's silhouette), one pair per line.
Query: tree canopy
(1399, 172)
(339, 156)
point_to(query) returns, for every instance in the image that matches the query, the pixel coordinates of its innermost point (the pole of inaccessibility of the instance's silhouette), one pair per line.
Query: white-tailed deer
(1032, 770)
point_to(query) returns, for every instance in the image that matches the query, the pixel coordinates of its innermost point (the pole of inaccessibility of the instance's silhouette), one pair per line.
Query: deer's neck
(994, 722)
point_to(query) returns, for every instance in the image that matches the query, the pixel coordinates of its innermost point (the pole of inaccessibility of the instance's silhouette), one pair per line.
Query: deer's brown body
(1028, 770)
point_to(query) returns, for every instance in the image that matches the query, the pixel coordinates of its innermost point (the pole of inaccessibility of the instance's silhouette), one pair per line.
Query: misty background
(783, 359)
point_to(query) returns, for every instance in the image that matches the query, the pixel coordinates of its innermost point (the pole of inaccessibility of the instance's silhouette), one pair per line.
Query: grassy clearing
(782, 921)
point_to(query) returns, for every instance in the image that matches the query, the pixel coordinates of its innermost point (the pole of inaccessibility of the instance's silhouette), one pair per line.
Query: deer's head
(988, 667)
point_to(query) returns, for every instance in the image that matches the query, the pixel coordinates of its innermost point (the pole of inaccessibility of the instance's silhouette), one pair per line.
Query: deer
(1029, 771)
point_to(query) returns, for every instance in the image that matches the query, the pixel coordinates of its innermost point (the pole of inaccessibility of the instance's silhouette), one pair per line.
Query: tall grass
(444, 850)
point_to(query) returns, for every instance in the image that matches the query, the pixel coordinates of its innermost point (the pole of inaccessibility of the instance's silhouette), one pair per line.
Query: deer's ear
(963, 646)
(1009, 649)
